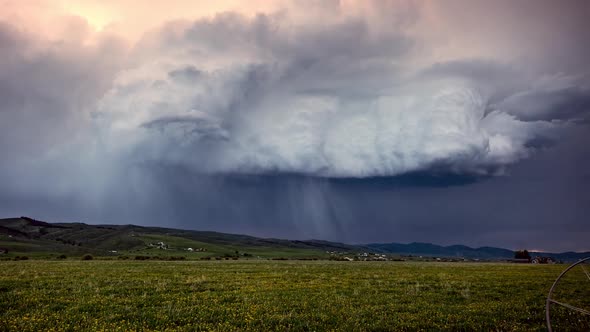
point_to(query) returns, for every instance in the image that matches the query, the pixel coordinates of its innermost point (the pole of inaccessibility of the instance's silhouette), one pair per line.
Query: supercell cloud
(264, 95)
(285, 104)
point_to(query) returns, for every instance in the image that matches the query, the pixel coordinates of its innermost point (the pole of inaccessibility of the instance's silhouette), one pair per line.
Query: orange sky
(129, 18)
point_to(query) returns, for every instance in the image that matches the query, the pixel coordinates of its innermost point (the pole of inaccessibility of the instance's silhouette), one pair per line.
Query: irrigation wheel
(568, 301)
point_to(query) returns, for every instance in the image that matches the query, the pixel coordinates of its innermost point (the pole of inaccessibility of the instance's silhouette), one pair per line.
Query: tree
(522, 254)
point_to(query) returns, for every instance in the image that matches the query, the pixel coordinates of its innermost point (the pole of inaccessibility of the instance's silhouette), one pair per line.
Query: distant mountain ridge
(429, 249)
(27, 235)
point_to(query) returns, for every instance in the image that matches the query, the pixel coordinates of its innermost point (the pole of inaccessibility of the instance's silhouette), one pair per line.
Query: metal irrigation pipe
(551, 301)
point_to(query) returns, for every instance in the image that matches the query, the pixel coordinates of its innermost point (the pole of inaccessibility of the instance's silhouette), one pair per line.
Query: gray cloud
(47, 88)
(553, 98)
(331, 100)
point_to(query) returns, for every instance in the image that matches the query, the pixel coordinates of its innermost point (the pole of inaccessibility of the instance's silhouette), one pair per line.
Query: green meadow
(263, 295)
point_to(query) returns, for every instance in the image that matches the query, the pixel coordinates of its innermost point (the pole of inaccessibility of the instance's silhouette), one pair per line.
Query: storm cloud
(326, 119)
(333, 100)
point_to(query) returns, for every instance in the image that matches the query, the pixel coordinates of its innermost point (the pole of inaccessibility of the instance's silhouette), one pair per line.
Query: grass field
(273, 295)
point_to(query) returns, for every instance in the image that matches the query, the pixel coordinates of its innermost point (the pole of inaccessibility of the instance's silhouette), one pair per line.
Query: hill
(26, 235)
(455, 251)
(38, 238)
(429, 249)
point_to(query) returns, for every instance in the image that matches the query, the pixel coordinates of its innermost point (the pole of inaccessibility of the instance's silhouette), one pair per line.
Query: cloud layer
(343, 99)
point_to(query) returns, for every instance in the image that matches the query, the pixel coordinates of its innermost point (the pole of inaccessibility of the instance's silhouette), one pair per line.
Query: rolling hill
(32, 237)
(461, 251)
(26, 235)
(429, 249)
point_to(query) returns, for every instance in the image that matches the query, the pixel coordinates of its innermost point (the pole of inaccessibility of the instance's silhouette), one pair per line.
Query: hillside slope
(26, 235)
(38, 238)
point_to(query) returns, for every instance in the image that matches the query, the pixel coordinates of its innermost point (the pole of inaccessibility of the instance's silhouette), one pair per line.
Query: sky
(451, 122)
